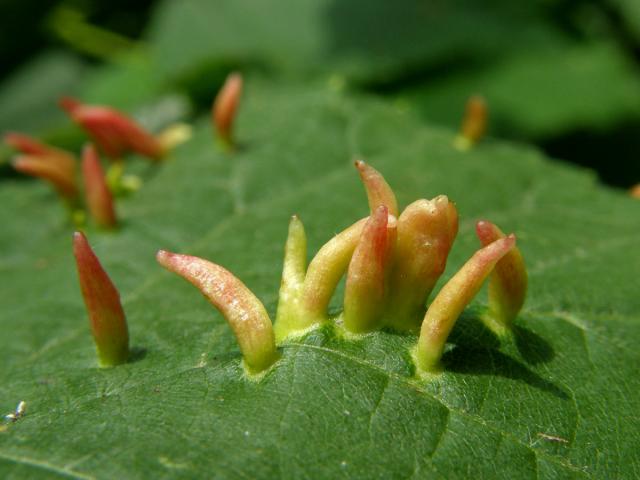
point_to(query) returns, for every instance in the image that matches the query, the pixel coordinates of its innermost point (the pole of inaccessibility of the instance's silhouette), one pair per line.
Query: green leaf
(364, 40)
(28, 98)
(540, 94)
(630, 13)
(559, 402)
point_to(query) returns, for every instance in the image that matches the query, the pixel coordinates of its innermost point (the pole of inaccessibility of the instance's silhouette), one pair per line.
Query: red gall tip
(487, 232)
(225, 105)
(378, 190)
(32, 147)
(102, 300)
(97, 194)
(69, 104)
(474, 122)
(25, 143)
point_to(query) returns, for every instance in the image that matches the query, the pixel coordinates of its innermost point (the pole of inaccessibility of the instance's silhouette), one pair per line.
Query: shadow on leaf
(480, 361)
(470, 332)
(533, 348)
(477, 352)
(136, 354)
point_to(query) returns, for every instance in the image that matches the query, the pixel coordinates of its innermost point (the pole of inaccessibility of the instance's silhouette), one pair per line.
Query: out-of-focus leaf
(28, 98)
(630, 11)
(363, 41)
(540, 94)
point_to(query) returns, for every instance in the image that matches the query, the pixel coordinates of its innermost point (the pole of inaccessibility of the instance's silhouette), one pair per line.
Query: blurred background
(563, 75)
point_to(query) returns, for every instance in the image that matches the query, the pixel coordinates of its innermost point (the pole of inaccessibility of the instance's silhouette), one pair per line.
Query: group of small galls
(392, 260)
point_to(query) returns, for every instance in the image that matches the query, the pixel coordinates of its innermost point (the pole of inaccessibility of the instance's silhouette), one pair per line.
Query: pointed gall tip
(378, 190)
(24, 143)
(474, 122)
(487, 232)
(381, 211)
(297, 234)
(392, 221)
(33, 147)
(225, 105)
(481, 225)
(80, 242)
(69, 104)
(162, 257)
(293, 273)
(102, 301)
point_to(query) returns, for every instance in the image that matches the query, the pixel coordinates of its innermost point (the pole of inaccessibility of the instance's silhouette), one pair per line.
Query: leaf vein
(46, 466)
(474, 418)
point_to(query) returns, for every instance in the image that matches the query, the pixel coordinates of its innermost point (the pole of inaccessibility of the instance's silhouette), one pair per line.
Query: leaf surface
(560, 401)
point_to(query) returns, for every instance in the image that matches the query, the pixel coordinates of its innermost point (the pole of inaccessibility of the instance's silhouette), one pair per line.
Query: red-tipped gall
(52, 164)
(508, 281)
(452, 299)
(426, 231)
(102, 300)
(114, 132)
(378, 190)
(97, 195)
(474, 123)
(51, 169)
(243, 311)
(366, 277)
(30, 146)
(225, 105)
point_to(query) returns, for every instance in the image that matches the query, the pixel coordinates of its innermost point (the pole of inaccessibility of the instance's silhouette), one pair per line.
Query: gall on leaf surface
(337, 407)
